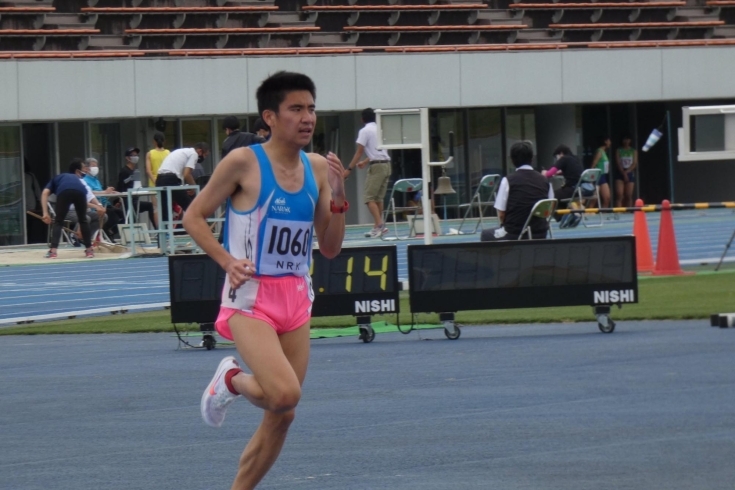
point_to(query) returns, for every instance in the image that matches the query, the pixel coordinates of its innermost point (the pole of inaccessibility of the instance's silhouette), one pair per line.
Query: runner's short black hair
(274, 89)
(521, 153)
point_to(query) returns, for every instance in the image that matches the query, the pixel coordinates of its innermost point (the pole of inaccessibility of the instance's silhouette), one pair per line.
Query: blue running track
(73, 287)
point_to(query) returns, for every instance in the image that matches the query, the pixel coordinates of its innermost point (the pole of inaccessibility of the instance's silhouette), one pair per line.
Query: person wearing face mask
(115, 215)
(126, 180)
(177, 169)
(70, 191)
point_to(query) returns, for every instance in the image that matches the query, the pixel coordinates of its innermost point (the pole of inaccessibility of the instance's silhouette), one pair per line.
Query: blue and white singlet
(277, 234)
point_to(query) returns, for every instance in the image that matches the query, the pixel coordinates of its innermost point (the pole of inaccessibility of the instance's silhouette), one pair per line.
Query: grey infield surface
(650, 406)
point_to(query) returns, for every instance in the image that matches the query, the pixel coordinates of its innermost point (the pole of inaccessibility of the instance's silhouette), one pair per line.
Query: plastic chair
(543, 209)
(405, 186)
(582, 191)
(489, 184)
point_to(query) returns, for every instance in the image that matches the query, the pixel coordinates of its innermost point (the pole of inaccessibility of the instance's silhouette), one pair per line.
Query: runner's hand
(46, 219)
(239, 272)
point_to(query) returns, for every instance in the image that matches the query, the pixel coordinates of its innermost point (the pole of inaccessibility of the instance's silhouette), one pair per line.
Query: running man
(277, 198)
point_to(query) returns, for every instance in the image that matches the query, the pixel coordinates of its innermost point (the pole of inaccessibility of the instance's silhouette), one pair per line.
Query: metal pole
(727, 247)
(426, 174)
(671, 161)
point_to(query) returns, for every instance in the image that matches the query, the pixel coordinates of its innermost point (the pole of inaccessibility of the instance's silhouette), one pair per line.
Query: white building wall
(45, 90)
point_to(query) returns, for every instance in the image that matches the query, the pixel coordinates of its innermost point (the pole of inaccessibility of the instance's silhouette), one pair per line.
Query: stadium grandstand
(89, 78)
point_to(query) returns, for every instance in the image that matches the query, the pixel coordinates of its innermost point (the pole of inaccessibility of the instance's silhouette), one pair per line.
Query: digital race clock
(359, 281)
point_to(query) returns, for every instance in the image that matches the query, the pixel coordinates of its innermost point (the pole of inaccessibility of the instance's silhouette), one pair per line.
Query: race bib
(286, 248)
(242, 298)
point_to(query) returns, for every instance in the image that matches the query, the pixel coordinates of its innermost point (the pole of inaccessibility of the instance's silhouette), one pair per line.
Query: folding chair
(543, 209)
(489, 185)
(66, 224)
(405, 186)
(582, 191)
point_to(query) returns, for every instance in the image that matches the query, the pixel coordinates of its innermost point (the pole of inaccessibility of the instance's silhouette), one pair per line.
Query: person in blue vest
(70, 191)
(278, 199)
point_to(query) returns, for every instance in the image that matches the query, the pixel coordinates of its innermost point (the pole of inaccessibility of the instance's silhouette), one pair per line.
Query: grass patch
(684, 297)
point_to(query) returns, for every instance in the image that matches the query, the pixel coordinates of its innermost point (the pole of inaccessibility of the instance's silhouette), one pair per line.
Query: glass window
(485, 144)
(106, 148)
(520, 125)
(11, 190)
(195, 131)
(709, 133)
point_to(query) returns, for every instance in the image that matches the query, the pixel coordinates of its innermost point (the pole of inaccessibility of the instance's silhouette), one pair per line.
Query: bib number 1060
(285, 241)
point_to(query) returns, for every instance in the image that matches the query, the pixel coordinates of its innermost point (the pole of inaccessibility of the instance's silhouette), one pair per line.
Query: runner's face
(295, 119)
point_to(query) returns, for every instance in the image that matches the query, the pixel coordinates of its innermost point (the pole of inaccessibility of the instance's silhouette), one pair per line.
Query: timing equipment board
(522, 274)
(359, 281)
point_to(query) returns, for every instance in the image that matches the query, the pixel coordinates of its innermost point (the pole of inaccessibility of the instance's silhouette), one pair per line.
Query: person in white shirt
(376, 184)
(176, 170)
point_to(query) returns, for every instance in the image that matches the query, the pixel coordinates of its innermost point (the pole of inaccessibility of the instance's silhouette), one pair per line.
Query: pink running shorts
(284, 303)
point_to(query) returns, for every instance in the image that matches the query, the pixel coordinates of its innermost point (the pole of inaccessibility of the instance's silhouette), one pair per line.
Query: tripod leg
(727, 247)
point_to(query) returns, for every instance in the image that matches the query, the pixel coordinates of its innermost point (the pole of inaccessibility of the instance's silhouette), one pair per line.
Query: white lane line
(36, 303)
(33, 286)
(94, 311)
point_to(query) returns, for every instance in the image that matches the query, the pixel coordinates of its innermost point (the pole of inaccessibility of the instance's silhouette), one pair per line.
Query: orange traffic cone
(667, 257)
(643, 252)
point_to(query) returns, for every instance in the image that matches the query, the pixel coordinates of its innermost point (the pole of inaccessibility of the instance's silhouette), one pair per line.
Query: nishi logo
(614, 296)
(375, 306)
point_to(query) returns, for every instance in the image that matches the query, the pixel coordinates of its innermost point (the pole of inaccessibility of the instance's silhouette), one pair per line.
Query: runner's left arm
(329, 227)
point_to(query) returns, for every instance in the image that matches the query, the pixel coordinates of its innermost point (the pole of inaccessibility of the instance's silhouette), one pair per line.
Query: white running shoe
(217, 397)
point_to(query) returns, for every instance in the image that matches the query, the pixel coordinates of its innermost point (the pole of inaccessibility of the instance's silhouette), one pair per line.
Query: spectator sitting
(517, 195)
(125, 181)
(571, 168)
(114, 215)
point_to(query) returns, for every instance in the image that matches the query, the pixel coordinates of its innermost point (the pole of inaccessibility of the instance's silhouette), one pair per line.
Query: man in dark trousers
(517, 195)
(235, 137)
(69, 191)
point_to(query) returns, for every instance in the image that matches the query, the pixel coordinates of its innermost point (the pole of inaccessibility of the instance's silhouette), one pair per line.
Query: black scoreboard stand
(361, 282)
(195, 283)
(722, 320)
(448, 278)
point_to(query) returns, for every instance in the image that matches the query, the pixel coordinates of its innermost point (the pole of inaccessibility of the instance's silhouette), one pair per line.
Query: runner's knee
(285, 399)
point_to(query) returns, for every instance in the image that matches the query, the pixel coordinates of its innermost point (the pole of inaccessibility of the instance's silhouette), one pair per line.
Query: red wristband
(339, 210)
